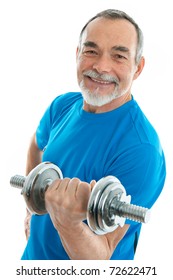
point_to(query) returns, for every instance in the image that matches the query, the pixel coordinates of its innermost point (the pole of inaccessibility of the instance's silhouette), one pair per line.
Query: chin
(94, 98)
(98, 102)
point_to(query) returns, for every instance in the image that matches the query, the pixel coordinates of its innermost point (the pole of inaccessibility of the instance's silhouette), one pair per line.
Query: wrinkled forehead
(112, 31)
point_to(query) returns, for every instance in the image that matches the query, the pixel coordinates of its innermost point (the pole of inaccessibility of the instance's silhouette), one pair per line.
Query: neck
(116, 103)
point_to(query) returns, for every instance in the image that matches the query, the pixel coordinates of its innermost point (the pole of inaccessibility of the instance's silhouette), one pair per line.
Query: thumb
(92, 183)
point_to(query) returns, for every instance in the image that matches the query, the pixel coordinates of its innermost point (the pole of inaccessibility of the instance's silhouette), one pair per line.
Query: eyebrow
(90, 44)
(114, 48)
(120, 48)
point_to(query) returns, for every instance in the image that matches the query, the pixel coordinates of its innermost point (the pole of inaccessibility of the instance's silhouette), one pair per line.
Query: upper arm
(113, 238)
(33, 147)
(34, 155)
(141, 171)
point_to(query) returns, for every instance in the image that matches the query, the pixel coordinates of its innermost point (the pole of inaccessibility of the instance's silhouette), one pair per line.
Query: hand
(27, 224)
(66, 201)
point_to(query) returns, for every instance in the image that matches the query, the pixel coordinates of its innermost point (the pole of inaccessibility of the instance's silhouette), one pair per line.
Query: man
(98, 132)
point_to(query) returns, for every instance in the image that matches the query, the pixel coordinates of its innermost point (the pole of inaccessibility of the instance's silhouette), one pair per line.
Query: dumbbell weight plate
(36, 184)
(96, 205)
(92, 205)
(108, 218)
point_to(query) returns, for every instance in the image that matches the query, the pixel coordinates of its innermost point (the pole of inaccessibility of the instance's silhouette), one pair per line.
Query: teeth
(101, 81)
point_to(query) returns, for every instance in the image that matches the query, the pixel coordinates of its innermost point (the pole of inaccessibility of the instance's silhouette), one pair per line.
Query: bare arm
(33, 156)
(82, 244)
(66, 201)
(33, 159)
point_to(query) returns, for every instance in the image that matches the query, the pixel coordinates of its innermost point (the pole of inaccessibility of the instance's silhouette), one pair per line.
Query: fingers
(68, 191)
(27, 224)
(63, 184)
(74, 188)
(92, 183)
(66, 201)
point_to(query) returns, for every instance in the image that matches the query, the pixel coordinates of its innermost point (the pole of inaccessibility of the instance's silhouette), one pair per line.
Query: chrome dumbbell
(35, 184)
(108, 205)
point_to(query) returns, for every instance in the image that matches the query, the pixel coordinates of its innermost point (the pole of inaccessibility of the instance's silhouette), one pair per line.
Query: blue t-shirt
(90, 146)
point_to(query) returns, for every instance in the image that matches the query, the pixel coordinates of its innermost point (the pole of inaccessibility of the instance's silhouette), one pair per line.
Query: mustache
(104, 77)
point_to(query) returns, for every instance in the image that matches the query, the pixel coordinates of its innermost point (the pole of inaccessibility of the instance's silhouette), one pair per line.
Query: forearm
(81, 243)
(66, 201)
(33, 159)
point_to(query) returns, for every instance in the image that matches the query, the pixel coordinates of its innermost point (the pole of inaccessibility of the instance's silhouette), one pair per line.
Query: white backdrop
(37, 63)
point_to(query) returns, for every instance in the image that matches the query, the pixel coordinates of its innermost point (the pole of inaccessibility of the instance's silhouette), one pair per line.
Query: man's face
(106, 60)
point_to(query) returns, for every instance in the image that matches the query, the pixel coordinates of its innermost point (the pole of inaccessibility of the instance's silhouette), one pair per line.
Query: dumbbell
(108, 205)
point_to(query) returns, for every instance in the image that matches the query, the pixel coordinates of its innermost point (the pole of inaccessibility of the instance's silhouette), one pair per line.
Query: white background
(37, 63)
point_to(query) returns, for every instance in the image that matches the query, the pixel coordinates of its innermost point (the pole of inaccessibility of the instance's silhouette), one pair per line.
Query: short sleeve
(142, 172)
(53, 114)
(43, 129)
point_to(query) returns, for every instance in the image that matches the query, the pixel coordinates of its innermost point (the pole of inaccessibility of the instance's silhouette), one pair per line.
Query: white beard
(95, 99)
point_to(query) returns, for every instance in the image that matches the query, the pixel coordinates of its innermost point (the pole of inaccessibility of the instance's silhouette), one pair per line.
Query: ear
(77, 52)
(140, 67)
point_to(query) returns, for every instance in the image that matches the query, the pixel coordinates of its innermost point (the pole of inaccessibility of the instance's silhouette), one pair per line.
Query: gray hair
(116, 14)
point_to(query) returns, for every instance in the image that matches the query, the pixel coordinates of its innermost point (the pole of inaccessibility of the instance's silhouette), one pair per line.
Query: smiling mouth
(100, 81)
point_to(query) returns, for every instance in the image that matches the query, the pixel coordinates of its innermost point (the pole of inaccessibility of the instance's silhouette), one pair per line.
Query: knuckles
(66, 201)
(68, 193)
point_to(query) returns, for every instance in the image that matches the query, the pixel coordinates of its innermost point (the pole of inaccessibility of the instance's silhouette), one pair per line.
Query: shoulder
(64, 102)
(145, 131)
(67, 98)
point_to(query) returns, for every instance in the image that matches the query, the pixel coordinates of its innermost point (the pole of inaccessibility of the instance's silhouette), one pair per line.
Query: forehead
(111, 32)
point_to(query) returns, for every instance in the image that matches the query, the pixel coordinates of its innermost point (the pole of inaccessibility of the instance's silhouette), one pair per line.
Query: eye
(119, 57)
(90, 52)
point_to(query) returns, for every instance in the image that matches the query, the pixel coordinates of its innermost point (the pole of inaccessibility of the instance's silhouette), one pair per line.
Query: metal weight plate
(36, 183)
(94, 206)
(108, 219)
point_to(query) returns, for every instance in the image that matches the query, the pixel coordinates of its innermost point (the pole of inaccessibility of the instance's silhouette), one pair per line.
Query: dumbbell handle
(122, 209)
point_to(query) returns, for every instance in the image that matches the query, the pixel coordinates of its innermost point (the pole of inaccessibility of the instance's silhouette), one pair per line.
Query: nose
(103, 64)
